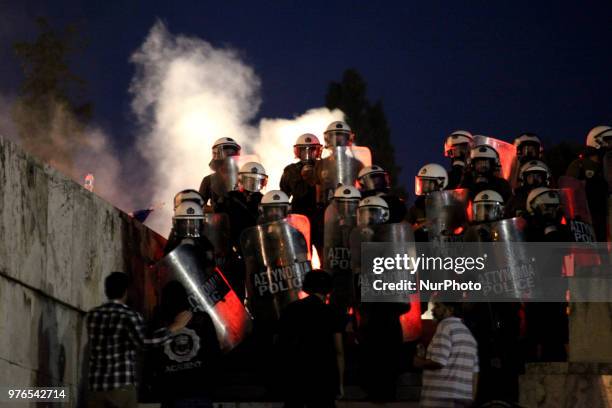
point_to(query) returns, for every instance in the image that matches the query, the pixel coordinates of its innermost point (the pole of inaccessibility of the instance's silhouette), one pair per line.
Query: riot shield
(506, 151)
(509, 277)
(340, 219)
(401, 236)
(340, 165)
(276, 258)
(576, 209)
(225, 178)
(607, 169)
(216, 228)
(446, 215)
(208, 291)
(301, 223)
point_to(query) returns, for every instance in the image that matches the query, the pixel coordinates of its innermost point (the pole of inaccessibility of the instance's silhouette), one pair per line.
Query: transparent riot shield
(506, 151)
(576, 209)
(208, 291)
(276, 258)
(446, 215)
(340, 219)
(225, 178)
(216, 228)
(507, 274)
(301, 223)
(340, 165)
(398, 239)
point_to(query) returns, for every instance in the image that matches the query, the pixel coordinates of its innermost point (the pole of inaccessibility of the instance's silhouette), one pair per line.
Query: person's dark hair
(115, 285)
(173, 300)
(317, 281)
(457, 307)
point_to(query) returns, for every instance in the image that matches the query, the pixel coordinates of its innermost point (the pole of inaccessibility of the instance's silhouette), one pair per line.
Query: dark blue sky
(496, 68)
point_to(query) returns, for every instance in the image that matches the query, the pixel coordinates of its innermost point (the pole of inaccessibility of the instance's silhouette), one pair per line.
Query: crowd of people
(317, 314)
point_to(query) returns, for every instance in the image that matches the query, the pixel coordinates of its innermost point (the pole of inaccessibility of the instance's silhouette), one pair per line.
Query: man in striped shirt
(115, 333)
(450, 365)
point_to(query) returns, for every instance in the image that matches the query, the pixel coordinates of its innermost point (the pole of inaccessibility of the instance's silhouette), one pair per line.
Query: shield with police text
(340, 166)
(446, 215)
(208, 291)
(576, 208)
(340, 219)
(509, 272)
(277, 258)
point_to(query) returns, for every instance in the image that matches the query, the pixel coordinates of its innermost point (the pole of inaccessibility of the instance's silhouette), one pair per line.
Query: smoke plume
(186, 94)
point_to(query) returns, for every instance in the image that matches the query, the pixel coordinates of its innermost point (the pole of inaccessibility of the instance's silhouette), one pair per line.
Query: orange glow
(412, 327)
(458, 230)
(469, 211)
(315, 261)
(563, 221)
(302, 294)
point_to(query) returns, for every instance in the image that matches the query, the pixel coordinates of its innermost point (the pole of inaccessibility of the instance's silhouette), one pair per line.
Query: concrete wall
(57, 243)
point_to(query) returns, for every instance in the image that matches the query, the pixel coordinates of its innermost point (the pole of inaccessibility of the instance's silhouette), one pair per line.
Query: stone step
(339, 404)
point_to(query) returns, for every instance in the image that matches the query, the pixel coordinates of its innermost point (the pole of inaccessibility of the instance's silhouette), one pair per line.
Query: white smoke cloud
(186, 94)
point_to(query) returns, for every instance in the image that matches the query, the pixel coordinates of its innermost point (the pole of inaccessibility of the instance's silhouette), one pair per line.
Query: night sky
(494, 68)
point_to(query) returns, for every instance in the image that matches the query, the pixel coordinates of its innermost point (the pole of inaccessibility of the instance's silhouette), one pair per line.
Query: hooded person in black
(184, 369)
(310, 347)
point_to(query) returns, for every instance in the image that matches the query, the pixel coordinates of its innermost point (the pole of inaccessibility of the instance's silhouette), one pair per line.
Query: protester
(450, 365)
(185, 366)
(310, 347)
(115, 332)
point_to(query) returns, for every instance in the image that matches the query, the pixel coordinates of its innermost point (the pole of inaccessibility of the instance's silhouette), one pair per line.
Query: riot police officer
(532, 174)
(242, 205)
(374, 180)
(589, 167)
(429, 178)
(222, 149)
(274, 206)
(547, 324)
(482, 173)
(187, 225)
(528, 147)
(298, 181)
(380, 325)
(340, 166)
(457, 147)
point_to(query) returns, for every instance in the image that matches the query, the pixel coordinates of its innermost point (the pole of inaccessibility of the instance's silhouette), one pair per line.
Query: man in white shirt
(450, 365)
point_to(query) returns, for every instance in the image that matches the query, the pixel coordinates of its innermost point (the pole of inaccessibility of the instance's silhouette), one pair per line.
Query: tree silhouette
(367, 120)
(50, 121)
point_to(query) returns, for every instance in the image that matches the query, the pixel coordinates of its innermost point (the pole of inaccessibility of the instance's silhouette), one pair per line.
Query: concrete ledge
(557, 385)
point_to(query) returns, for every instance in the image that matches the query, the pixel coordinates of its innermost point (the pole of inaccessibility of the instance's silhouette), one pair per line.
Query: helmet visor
(347, 207)
(487, 211)
(371, 216)
(223, 151)
(535, 178)
(459, 151)
(548, 210)
(529, 150)
(375, 182)
(253, 182)
(606, 141)
(274, 212)
(337, 138)
(482, 166)
(307, 152)
(187, 227)
(426, 185)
